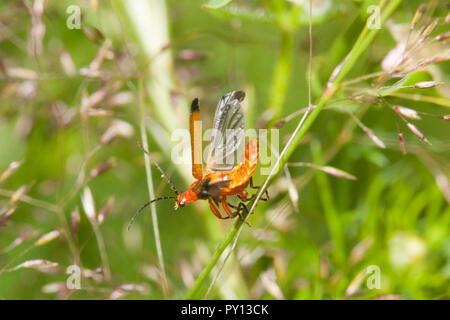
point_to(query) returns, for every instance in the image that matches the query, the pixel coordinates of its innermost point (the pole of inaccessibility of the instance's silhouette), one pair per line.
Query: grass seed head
(338, 173)
(417, 133)
(41, 265)
(420, 11)
(374, 138)
(10, 170)
(402, 141)
(75, 221)
(407, 112)
(426, 84)
(88, 204)
(117, 128)
(103, 167)
(360, 250)
(19, 193)
(46, 238)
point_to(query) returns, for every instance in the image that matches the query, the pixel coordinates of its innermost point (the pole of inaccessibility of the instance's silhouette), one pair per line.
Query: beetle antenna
(159, 169)
(146, 205)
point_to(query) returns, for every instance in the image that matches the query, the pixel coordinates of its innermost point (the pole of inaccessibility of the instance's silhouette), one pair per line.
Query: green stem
(282, 73)
(102, 250)
(193, 292)
(363, 41)
(419, 97)
(151, 192)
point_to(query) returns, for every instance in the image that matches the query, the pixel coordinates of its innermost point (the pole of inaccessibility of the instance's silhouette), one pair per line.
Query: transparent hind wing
(227, 138)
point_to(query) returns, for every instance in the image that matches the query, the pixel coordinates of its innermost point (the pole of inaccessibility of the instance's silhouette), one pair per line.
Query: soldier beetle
(221, 178)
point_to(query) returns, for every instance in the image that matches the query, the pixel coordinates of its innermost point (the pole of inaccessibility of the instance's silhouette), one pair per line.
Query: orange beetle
(222, 177)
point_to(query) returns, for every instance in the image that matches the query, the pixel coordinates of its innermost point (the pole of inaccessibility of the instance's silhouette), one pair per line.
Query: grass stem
(151, 192)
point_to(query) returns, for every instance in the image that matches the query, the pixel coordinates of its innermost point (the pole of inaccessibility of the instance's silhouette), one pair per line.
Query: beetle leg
(241, 207)
(215, 210)
(227, 208)
(266, 193)
(237, 212)
(266, 198)
(243, 196)
(232, 205)
(251, 184)
(262, 198)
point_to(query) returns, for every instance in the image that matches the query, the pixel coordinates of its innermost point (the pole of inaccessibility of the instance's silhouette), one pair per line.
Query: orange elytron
(222, 177)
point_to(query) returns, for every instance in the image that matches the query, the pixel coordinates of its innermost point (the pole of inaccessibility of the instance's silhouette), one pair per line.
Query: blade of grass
(282, 73)
(329, 207)
(151, 191)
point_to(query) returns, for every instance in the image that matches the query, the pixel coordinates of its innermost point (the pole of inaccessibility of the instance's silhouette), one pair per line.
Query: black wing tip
(195, 106)
(240, 95)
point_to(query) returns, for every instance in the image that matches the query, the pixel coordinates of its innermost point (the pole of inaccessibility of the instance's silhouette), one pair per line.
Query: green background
(395, 204)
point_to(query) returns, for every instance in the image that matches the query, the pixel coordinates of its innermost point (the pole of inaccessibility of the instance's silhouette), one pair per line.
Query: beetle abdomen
(240, 175)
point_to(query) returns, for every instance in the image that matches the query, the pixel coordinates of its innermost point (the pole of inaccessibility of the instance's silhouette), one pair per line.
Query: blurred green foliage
(395, 213)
